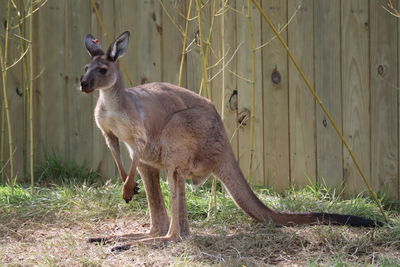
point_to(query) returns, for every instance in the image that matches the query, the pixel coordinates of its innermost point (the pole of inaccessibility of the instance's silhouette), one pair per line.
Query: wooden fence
(348, 49)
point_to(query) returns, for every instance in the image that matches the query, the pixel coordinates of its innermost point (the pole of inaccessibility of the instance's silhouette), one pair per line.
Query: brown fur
(168, 127)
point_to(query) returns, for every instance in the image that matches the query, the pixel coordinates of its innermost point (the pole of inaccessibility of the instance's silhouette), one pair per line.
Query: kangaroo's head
(103, 71)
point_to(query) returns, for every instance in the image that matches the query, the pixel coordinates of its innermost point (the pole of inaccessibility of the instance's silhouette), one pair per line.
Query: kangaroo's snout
(85, 86)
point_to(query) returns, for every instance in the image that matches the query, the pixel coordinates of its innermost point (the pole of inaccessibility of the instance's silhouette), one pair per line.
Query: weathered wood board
(355, 91)
(384, 101)
(301, 103)
(250, 156)
(51, 84)
(328, 86)
(276, 108)
(80, 117)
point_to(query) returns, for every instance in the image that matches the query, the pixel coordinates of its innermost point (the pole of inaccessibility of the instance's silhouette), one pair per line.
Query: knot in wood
(381, 70)
(276, 76)
(233, 100)
(324, 122)
(19, 91)
(244, 116)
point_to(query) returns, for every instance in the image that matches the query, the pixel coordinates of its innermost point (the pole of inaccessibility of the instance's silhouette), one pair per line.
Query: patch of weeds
(49, 261)
(85, 262)
(13, 194)
(390, 234)
(198, 198)
(72, 202)
(183, 260)
(389, 262)
(319, 198)
(338, 261)
(54, 170)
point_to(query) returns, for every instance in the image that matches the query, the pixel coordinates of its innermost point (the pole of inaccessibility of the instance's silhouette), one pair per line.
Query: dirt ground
(64, 243)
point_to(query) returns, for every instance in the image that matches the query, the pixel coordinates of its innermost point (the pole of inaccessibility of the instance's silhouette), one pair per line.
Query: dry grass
(50, 228)
(63, 243)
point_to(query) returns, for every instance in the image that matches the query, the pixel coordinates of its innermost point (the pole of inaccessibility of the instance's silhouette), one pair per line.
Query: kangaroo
(168, 127)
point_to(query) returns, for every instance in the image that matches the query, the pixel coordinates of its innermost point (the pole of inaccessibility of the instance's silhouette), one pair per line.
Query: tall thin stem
(203, 54)
(223, 60)
(3, 62)
(32, 159)
(23, 44)
(184, 42)
(253, 88)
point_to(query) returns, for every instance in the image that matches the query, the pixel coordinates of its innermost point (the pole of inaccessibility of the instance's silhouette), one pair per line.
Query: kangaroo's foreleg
(113, 144)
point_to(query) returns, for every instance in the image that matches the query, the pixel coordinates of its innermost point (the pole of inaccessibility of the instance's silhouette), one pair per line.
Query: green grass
(54, 170)
(78, 192)
(104, 200)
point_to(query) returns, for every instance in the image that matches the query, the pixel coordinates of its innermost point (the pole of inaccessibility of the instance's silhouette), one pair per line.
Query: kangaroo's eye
(103, 70)
(86, 68)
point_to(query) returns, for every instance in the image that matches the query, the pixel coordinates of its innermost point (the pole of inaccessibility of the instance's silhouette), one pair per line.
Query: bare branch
(238, 76)
(180, 30)
(18, 60)
(282, 28)
(229, 61)
(29, 14)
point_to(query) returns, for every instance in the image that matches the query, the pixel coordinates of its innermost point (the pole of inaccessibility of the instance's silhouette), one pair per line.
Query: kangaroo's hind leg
(159, 221)
(158, 213)
(179, 226)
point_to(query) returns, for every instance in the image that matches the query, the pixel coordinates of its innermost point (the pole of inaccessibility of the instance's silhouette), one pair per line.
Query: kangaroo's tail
(232, 177)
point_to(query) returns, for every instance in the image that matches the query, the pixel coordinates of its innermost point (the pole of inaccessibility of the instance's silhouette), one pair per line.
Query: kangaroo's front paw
(127, 194)
(128, 191)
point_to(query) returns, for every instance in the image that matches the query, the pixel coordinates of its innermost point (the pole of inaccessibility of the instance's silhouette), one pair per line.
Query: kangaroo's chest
(116, 122)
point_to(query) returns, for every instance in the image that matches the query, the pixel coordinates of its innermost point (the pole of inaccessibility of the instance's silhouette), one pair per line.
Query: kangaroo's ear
(93, 46)
(118, 48)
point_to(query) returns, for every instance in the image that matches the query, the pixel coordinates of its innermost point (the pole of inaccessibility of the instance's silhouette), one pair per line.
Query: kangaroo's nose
(84, 84)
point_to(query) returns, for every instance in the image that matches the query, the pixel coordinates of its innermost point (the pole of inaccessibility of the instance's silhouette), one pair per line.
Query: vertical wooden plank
(172, 41)
(15, 93)
(79, 105)
(328, 86)
(36, 92)
(301, 103)
(398, 86)
(16, 104)
(216, 59)
(51, 84)
(142, 62)
(230, 98)
(193, 59)
(147, 40)
(244, 69)
(384, 109)
(3, 21)
(355, 90)
(102, 158)
(231, 107)
(38, 89)
(276, 109)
